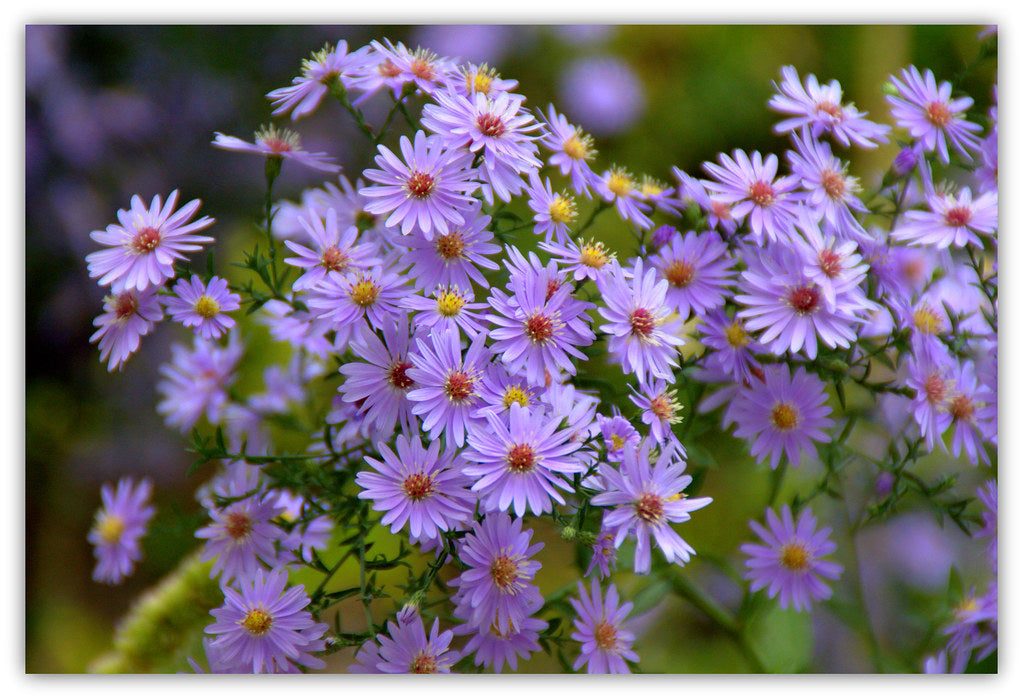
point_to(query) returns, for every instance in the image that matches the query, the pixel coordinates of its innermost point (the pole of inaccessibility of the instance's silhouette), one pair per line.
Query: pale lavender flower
(600, 628)
(120, 524)
(519, 461)
(429, 190)
(617, 185)
(571, 148)
(266, 627)
(296, 328)
(820, 108)
(407, 648)
(452, 258)
(419, 486)
(483, 79)
(832, 263)
(146, 242)
(553, 213)
(789, 562)
(697, 269)
(605, 554)
(604, 93)
(241, 537)
(272, 142)
(499, 389)
(781, 414)
(748, 186)
(641, 337)
(341, 301)
(646, 498)
(335, 251)
(974, 629)
(196, 382)
(319, 72)
(734, 349)
(127, 316)
(933, 386)
(719, 213)
(495, 648)
(496, 587)
(204, 306)
(619, 435)
(831, 194)
(585, 260)
(952, 221)
(449, 307)
(367, 658)
(974, 410)
(660, 407)
(927, 110)
(421, 67)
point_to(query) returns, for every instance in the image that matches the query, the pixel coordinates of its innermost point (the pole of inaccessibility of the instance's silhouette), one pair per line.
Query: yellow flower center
(258, 622)
(450, 303)
(206, 306)
(593, 255)
(736, 335)
(620, 182)
(423, 663)
(562, 209)
(784, 416)
(617, 441)
(795, 557)
(110, 528)
(504, 571)
(364, 293)
(926, 320)
(579, 146)
(515, 394)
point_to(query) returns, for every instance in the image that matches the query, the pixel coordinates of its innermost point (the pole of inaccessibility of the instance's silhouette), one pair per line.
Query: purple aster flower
(379, 384)
(932, 385)
(619, 436)
(452, 258)
(697, 268)
(429, 190)
(618, 186)
(196, 382)
(571, 148)
(282, 144)
(408, 649)
(974, 411)
(450, 307)
(214, 661)
(499, 389)
(789, 562)
(496, 587)
(975, 625)
(791, 309)
(127, 317)
(295, 328)
(646, 498)
(603, 93)
(146, 242)
(367, 658)
(553, 213)
(749, 186)
(600, 628)
(820, 108)
(335, 251)
(641, 338)
(262, 625)
(483, 79)
(834, 265)
(307, 533)
(831, 194)
(421, 67)
(583, 259)
(495, 648)
(446, 395)
(734, 349)
(927, 110)
(660, 408)
(203, 306)
(327, 65)
(781, 414)
(120, 524)
(539, 331)
(418, 485)
(242, 538)
(574, 409)
(605, 554)
(341, 301)
(952, 221)
(519, 460)
(718, 212)
(660, 195)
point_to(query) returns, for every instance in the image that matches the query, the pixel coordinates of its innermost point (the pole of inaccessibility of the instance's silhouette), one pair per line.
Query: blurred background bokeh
(112, 111)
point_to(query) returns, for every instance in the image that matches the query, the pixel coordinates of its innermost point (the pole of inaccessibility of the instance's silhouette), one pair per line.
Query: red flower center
(417, 486)
(833, 183)
(539, 328)
(450, 245)
(238, 525)
(490, 125)
(761, 193)
(643, 322)
(146, 240)
(397, 376)
(420, 185)
(521, 458)
(805, 299)
(958, 216)
(830, 262)
(125, 305)
(334, 260)
(458, 386)
(650, 508)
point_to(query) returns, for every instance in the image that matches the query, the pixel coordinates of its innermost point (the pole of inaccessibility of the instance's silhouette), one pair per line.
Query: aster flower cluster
(451, 393)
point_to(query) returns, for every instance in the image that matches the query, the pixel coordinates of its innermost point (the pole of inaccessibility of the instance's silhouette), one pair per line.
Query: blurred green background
(116, 110)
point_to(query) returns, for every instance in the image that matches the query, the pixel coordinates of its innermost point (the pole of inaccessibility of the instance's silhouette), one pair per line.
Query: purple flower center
(146, 240)
(804, 299)
(417, 486)
(396, 376)
(420, 185)
(958, 216)
(761, 193)
(490, 125)
(650, 508)
(521, 458)
(938, 114)
(643, 322)
(238, 525)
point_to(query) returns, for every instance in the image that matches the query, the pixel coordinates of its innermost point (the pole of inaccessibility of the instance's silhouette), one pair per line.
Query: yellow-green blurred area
(114, 111)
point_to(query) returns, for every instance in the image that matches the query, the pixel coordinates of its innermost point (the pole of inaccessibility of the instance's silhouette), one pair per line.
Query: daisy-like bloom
(641, 337)
(571, 148)
(748, 186)
(283, 144)
(583, 259)
(952, 221)
(519, 460)
(204, 306)
(553, 213)
(499, 389)
(419, 486)
(421, 67)
(834, 265)
(296, 328)
(831, 194)
(406, 648)
(483, 79)
(241, 538)
(452, 258)
(697, 268)
(927, 110)
(660, 408)
(619, 435)
(660, 195)
(974, 411)
(719, 213)
(379, 383)
(449, 307)
(539, 331)
(734, 348)
(617, 185)
(600, 628)
(146, 242)
(495, 648)
(335, 251)
(319, 72)
(429, 190)
(932, 386)
(496, 587)
(605, 554)
(265, 626)
(645, 499)
(781, 414)
(446, 394)
(196, 382)
(820, 108)
(120, 524)
(974, 629)
(341, 301)
(790, 307)
(127, 316)
(789, 562)
(497, 127)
